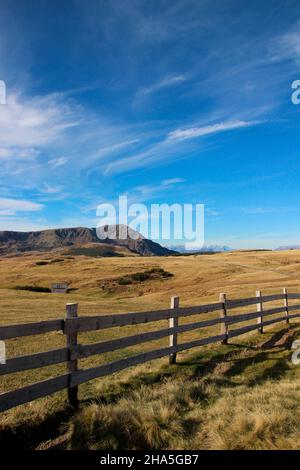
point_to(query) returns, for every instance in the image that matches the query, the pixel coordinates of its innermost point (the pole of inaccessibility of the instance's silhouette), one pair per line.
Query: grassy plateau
(244, 395)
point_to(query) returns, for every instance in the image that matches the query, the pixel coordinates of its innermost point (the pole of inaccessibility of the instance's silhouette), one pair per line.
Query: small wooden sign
(59, 288)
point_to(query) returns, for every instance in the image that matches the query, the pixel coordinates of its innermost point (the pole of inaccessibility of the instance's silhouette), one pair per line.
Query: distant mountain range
(205, 249)
(288, 247)
(78, 237)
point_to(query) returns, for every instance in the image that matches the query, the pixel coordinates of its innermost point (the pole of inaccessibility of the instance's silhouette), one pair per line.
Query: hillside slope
(54, 239)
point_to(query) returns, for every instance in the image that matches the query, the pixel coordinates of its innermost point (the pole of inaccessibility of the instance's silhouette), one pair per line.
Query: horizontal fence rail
(72, 325)
(126, 319)
(30, 329)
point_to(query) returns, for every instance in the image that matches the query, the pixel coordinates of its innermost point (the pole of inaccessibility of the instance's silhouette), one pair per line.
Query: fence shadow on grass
(228, 366)
(234, 362)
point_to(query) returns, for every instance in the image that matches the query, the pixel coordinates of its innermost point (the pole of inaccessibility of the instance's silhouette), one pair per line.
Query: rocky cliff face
(46, 240)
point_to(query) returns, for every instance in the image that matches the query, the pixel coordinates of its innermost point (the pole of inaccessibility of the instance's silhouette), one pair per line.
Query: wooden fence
(72, 325)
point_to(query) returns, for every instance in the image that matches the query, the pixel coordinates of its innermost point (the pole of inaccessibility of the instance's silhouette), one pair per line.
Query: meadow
(216, 397)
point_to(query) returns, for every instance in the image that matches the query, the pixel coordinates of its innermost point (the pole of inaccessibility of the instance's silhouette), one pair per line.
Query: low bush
(140, 277)
(124, 281)
(154, 273)
(159, 271)
(167, 274)
(33, 288)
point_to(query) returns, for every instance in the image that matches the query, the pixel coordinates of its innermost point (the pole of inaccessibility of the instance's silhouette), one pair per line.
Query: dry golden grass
(196, 389)
(235, 397)
(263, 417)
(177, 418)
(196, 278)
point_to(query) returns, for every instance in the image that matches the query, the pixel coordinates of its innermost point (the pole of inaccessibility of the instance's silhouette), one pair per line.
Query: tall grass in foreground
(193, 416)
(246, 398)
(243, 395)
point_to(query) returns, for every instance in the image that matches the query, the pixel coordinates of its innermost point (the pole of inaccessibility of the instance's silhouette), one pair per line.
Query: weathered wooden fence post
(223, 314)
(259, 308)
(286, 305)
(173, 323)
(72, 312)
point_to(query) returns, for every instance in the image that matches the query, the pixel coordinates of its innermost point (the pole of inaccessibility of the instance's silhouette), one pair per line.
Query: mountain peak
(54, 239)
(204, 249)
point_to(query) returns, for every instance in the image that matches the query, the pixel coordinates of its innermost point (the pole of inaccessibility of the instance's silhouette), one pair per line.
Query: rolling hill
(66, 238)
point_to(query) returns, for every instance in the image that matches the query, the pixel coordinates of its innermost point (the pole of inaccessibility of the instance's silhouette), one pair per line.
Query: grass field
(216, 397)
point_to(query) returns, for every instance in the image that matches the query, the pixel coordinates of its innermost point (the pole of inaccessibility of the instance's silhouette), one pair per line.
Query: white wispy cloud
(57, 162)
(169, 81)
(268, 210)
(151, 189)
(287, 45)
(49, 189)
(194, 132)
(174, 145)
(118, 146)
(171, 181)
(14, 206)
(112, 148)
(212, 212)
(157, 152)
(29, 123)
(18, 153)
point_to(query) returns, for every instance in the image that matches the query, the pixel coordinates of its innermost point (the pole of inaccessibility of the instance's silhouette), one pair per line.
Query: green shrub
(155, 271)
(167, 274)
(33, 288)
(139, 277)
(124, 281)
(159, 271)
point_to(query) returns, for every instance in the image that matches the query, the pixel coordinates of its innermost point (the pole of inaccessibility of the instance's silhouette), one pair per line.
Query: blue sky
(166, 101)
